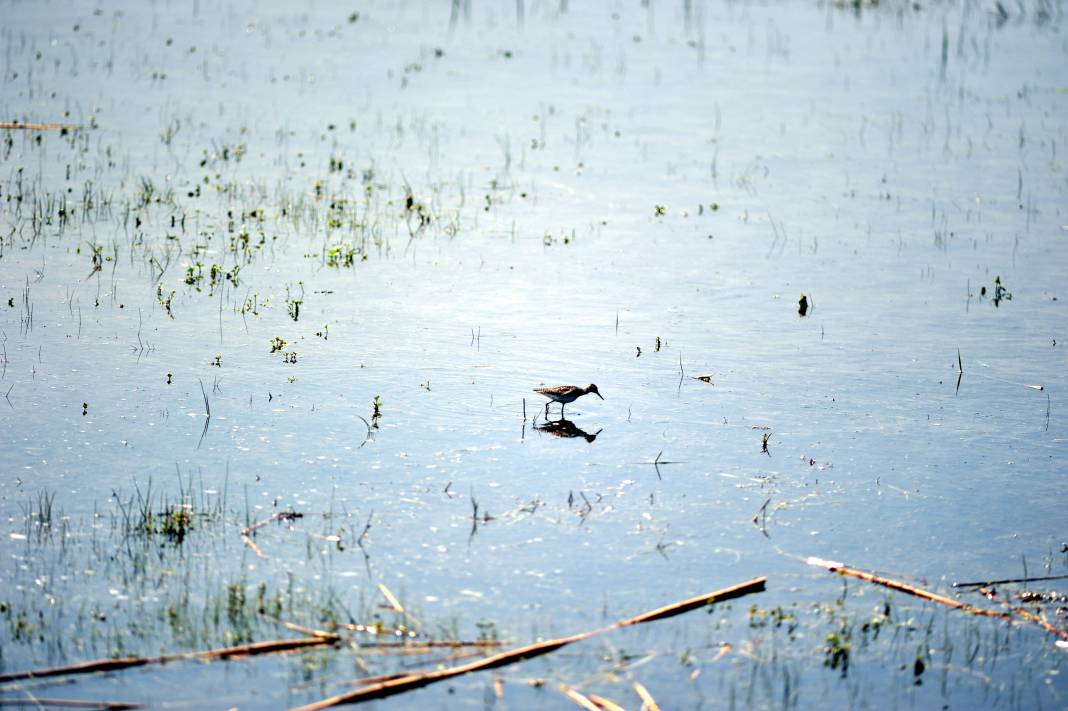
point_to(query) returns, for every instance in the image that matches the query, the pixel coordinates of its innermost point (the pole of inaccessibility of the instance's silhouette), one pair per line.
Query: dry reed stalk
(310, 631)
(416, 680)
(37, 126)
(581, 699)
(606, 704)
(244, 650)
(391, 598)
(648, 702)
(71, 704)
(255, 549)
(1024, 613)
(842, 569)
(433, 644)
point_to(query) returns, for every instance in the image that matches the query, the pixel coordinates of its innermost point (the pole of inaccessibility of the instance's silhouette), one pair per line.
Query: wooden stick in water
(603, 703)
(391, 598)
(37, 126)
(416, 680)
(71, 704)
(677, 608)
(579, 698)
(648, 702)
(1024, 613)
(842, 569)
(984, 583)
(244, 650)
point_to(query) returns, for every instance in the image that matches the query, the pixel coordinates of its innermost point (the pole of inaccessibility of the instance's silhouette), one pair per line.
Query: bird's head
(591, 388)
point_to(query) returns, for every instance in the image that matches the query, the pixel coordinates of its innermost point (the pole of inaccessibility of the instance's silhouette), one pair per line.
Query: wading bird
(564, 394)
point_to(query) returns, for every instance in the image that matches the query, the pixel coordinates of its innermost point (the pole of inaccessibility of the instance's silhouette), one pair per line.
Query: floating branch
(253, 547)
(40, 703)
(579, 698)
(603, 703)
(246, 534)
(430, 643)
(416, 680)
(990, 594)
(407, 646)
(311, 632)
(648, 702)
(677, 608)
(38, 126)
(391, 598)
(245, 650)
(841, 569)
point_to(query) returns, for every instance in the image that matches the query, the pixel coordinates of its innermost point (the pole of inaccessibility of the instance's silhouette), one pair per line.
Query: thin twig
(246, 534)
(391, 598)
(841, 569)
(15, 125)
(648, 702)
(244, 650)
(603, 703)
(311, 632)
(40, 703)
(428, 643)
(255, 549)
(581, 699)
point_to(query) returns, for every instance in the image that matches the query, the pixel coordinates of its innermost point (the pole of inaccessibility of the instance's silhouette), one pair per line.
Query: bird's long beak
(599, 395)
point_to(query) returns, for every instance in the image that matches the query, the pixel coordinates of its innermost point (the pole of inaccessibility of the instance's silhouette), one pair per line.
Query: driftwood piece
(603, 703)
(579, 698)
(416, 680)
(648, 702)
(246, 533)
(244, 650)
(39, 703)
(1024, 613)
(15, 125)
(842, 569)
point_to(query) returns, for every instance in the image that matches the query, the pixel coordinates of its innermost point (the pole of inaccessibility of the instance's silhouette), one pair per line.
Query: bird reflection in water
(566, 428)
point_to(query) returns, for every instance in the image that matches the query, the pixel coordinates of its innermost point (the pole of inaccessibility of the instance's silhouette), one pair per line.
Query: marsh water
(310, 261)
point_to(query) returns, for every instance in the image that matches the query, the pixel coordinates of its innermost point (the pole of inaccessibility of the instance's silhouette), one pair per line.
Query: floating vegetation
(343, 255)
(1000, 292)
(293, 304)
(376, 411)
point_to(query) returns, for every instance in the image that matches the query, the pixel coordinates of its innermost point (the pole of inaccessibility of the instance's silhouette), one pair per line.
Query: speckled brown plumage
(564, 394)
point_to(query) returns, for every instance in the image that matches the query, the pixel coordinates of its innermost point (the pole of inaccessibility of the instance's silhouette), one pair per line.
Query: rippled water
(628, 195)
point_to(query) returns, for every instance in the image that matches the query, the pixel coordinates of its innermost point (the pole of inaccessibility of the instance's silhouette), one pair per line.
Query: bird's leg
(562, 410)
(547, 409)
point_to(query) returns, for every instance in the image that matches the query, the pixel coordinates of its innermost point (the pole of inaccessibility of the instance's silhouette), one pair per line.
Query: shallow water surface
(310, 262)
